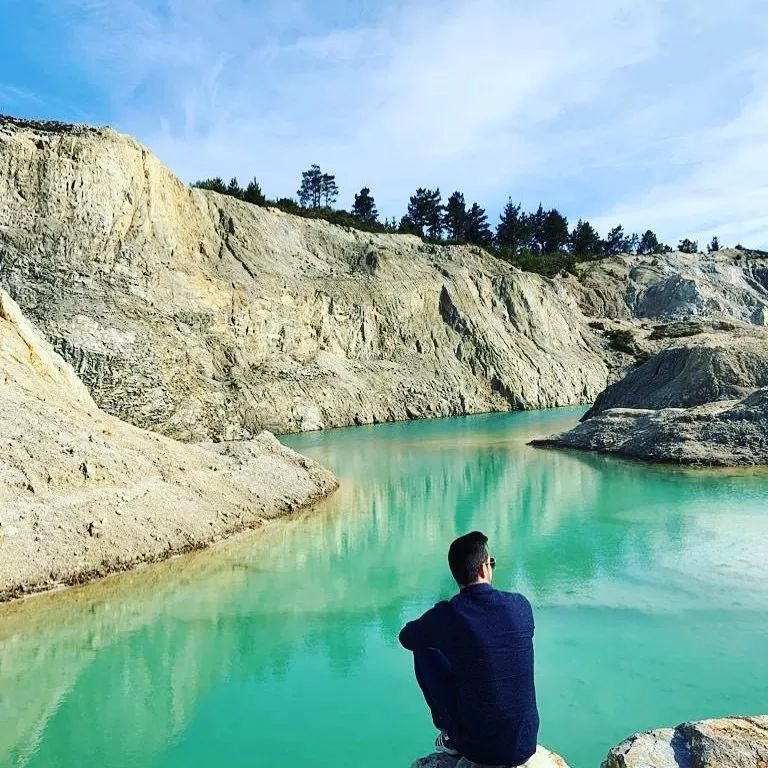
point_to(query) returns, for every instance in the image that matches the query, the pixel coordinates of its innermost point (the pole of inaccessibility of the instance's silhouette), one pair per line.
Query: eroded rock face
(701, 369)
(82, 493)
(202, 317)
(736, 742)
(729, 284)
(728, 433)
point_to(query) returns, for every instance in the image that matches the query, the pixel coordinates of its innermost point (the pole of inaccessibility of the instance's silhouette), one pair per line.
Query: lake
(279, 648)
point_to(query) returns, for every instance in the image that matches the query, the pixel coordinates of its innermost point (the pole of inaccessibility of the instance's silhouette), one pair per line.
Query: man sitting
(473, 657)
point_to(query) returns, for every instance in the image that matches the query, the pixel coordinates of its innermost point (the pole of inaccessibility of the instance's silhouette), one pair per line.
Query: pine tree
(585, 241)
(311, 190)
(554, 232)
(477, 230)
(415, 218)
(616, 242)
(329, 191)
(633, 243)
(688, 246)
(408, 227)
(649, 243)
(455, 218)
(714, 245)
(234, 189)
(215, 185)
(434, 221)
(425, 213)
(536, 229)
(511, 231)
(253, 193)
(364, 207)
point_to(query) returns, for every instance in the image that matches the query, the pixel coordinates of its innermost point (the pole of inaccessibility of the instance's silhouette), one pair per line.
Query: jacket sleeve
(428, 631)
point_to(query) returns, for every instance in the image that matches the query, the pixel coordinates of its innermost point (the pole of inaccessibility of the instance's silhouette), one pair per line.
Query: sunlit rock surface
(729, 284)
(696, 393)
(542, 759)
(701, 401)
(734, 742)
(702, 369)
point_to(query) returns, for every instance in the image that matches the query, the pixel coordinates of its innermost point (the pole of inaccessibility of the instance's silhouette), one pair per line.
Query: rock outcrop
(726, 433)
(700, 401)
(202, 317)
(731, 284)
(695, 393)
(82, 493)
(543, 758)
(735, 742)
(698, 370)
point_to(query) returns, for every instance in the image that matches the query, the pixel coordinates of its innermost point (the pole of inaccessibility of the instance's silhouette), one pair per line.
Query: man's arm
(428, 631)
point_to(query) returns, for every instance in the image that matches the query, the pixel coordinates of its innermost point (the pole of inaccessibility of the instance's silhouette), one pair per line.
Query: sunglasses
(492, 562)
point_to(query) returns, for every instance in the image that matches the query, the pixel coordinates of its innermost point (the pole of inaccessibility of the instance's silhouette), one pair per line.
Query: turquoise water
(649, 584)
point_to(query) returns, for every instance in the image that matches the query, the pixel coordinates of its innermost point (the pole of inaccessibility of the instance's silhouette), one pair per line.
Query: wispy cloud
(722, 187)
(616, 110)
(13, 95)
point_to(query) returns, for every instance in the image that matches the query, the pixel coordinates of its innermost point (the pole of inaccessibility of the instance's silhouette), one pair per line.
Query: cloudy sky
(650, 114)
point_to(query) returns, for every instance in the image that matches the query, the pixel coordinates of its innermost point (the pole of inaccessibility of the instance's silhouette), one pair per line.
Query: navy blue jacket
(487, 637)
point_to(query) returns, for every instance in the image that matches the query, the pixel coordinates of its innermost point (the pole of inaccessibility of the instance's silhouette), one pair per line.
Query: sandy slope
(82, 493)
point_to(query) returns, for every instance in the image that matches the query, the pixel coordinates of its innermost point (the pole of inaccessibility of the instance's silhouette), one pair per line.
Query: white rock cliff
(202, 317)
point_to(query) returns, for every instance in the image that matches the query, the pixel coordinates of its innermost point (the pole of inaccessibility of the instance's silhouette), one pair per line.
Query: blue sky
(650, 114)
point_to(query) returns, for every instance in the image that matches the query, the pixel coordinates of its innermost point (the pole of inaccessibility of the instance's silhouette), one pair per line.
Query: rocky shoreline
(201, 317)
(696, 392)
(721, 434)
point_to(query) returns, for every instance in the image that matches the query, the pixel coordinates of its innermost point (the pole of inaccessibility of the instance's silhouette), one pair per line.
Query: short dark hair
(465, 556)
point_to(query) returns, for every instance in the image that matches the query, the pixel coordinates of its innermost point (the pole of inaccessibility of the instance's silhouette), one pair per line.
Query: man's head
(469, 560)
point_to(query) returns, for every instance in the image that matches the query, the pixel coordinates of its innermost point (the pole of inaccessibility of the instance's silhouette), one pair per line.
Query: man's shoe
(443, 744)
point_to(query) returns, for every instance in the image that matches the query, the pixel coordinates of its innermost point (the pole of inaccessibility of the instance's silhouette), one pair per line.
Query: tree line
(540, 240)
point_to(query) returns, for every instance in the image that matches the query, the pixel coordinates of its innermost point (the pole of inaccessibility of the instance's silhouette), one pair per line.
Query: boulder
(701, 400)
(735, 742)
(543, 758)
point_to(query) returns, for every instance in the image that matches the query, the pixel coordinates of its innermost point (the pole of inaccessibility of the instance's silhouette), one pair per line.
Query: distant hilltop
(10, 123)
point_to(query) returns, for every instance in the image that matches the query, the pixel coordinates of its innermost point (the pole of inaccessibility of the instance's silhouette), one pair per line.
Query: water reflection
(127, 671)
